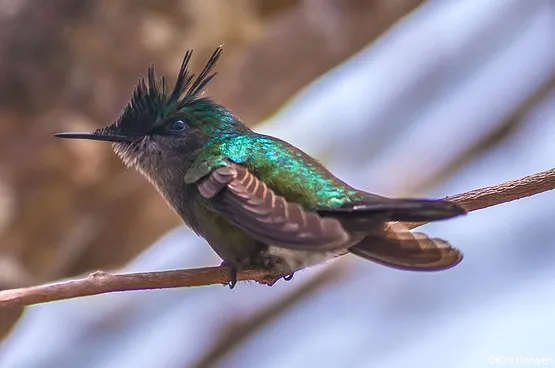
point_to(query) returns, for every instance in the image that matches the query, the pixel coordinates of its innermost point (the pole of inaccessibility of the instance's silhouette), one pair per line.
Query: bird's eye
(177, 126)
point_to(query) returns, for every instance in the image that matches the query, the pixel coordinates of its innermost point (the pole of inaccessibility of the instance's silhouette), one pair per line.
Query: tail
(398, 209)
(396, 246)
(363, 217)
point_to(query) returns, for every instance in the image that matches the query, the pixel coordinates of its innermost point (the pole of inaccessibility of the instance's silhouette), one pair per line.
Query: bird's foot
(289, 277)
(232, 275)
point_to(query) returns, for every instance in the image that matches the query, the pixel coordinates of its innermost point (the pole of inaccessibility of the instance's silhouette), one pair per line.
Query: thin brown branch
(102, 282)
(502, 193)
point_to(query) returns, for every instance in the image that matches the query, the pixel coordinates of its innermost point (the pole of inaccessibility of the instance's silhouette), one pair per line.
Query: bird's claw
(232, 277)
(289, 277)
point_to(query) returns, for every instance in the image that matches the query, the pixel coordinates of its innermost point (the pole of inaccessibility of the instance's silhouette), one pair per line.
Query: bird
(258, 201)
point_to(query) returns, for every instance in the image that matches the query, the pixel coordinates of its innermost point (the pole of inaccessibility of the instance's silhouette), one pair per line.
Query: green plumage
(257, 200)
(288, 171)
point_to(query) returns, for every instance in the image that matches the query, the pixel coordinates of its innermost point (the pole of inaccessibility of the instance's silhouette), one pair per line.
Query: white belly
(292, 260)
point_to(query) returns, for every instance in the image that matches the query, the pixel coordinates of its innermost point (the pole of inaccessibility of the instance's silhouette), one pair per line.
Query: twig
(510, 191)
(101, 282)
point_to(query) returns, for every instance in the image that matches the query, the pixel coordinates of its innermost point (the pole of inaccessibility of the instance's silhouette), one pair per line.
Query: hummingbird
(257, 200)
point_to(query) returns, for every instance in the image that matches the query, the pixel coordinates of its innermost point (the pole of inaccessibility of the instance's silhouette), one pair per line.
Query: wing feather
(398, 247)
(248, 202)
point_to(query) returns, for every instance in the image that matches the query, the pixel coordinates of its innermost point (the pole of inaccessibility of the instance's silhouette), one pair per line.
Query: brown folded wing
(246, 201)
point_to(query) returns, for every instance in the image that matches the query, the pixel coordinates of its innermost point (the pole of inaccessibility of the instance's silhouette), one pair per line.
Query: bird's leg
(232, 275)
(289, 277)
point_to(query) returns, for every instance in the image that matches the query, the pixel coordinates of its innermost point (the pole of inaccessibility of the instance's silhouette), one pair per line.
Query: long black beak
(94, 136)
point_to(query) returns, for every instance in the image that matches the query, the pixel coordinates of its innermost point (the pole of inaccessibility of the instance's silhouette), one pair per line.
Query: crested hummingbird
(258, 201)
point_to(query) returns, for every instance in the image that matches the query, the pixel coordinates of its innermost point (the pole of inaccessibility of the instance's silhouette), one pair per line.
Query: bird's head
(159, 127)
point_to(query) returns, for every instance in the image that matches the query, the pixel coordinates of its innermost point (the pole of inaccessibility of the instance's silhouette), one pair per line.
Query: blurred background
(397, 97)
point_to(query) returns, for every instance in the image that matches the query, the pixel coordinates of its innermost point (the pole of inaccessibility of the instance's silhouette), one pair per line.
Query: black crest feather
(151, 103)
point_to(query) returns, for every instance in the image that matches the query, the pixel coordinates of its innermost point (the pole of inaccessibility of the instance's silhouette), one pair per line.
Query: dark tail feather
(415, 210)
(409, 210)
(399, 248)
